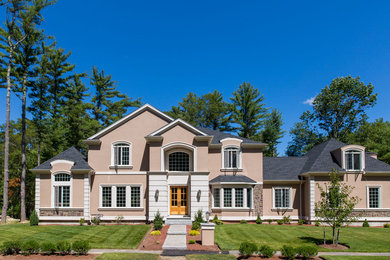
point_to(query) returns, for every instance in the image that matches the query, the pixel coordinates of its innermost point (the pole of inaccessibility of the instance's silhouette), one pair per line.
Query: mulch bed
(48, 257)
(277, 258)
(198, 243)
(330, 246)
(154, 242)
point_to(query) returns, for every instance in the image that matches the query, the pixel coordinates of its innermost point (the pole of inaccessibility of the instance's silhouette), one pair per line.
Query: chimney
(372, 155)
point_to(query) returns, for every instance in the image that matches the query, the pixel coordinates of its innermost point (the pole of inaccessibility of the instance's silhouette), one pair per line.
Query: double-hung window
(62, 183)
(231, 158)
(353, 160)
(282, 197)
(121, 154)
(232, 197)
(374, 197)
(123, 196)
(217, 197)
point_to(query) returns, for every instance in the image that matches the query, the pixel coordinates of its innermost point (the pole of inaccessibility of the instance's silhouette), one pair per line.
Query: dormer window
(231, 158)
(353, 160)
(121, 154)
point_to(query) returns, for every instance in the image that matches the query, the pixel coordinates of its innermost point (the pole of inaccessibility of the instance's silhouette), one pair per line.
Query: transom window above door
(231, 158)
(179, 161)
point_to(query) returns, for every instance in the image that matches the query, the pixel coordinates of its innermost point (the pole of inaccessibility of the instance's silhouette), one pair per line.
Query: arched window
(353, 160)
(61, 186)
(121, 154)
(179, 161)
(231, 158)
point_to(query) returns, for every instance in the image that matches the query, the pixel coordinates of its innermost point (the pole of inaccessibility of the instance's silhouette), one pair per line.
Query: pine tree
(105, 109)
(215, 112)
(189, 109)
(272, 132)
(248, 110)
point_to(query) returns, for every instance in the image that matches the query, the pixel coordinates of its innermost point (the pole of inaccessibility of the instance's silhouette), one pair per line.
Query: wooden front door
(179, 204)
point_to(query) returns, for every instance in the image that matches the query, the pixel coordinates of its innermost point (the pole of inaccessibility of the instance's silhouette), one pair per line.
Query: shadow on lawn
(319, 242)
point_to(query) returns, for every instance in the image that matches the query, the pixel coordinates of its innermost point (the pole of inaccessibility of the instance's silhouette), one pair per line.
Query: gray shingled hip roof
(232, 179)
(319, 159)
(72, 154)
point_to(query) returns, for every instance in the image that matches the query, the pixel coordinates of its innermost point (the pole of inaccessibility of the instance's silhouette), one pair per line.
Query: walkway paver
(176, 238)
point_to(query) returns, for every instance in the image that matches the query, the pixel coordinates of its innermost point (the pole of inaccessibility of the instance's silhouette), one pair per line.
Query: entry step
(178, 220)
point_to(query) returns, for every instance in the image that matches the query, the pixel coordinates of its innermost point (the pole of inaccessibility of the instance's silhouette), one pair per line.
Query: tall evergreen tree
(215, 112)
(109, 104)
(189, 109)
(248, 110)
(272, 132)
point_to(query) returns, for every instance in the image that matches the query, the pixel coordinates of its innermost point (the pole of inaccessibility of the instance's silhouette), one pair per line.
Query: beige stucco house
(148, 162)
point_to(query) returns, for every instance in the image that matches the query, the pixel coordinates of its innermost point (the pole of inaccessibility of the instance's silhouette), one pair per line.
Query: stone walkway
(176, 238)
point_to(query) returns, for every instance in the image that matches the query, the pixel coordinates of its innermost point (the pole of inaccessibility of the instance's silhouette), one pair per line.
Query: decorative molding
(121, 173)
(61, 161)
(37, 192)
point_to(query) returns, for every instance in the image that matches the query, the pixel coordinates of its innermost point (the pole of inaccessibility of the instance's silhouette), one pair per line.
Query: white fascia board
(129, 116)
(177, 121)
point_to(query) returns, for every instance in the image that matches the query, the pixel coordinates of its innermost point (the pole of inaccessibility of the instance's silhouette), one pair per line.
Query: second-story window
(353, 160)
(231, 158)
(121, 154)
(179, 161)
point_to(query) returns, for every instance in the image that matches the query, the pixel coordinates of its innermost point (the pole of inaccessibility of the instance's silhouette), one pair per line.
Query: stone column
(258, 199)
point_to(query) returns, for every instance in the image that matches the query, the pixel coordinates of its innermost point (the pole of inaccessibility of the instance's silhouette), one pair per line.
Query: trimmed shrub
(317, 223)
(269, 221)
(280, 221)
(217, 221)
(158, 221)
(194, 233)
(48, 248)
(199, 217)
(266, 251)
(195, 225)
(81, 247)
(286, 220)
(191, 241)
(365, 223)
(30, 247)
(155, 233)
(247, 249)
(243, 221)
(11, 247)
(288, 252)
(258, 220)
(64, 247)
(301, 222)
(34, 220)
(96, 221)
(307, 252)
(386, 225)
(82, 221)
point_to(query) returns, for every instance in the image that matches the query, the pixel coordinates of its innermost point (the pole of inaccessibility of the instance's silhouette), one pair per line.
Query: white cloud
(309, 101)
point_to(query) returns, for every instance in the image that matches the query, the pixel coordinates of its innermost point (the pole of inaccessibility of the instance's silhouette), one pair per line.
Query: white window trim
(274, 201)
(130, 165)
(362, 159)
(113, 196)
(175, 150)
(368, 196)
(178, 145)
(61, 183)
(221, 197)
(239, 167)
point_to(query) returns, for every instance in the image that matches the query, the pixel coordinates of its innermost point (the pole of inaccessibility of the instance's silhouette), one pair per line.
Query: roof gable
(181, 123)
(125, 119)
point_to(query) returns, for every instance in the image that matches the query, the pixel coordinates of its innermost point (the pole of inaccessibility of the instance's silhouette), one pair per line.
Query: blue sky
(161, 50)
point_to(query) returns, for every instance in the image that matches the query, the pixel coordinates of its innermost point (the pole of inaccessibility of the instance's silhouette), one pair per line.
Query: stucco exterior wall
(78, 190)
(45, 190)
(121, 179)
(133, 131)
(268, 209)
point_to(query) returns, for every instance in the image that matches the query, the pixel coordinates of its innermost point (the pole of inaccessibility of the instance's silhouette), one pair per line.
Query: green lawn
(124, 256)
(210, 257)
(328, 257)
(358, 239)
(115, 236)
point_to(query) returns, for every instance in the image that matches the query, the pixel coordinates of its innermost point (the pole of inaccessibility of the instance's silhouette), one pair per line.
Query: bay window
(232, 197)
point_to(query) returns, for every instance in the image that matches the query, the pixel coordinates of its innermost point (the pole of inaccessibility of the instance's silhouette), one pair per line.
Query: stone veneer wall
(371, 213)
(62, 212)
(258, 199)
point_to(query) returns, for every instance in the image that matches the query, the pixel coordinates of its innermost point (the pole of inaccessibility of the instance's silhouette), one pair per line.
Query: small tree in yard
(336, 205)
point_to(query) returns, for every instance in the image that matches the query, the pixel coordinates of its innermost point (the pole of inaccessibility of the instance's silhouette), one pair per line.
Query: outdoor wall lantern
(156, 195)
(198, 195)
